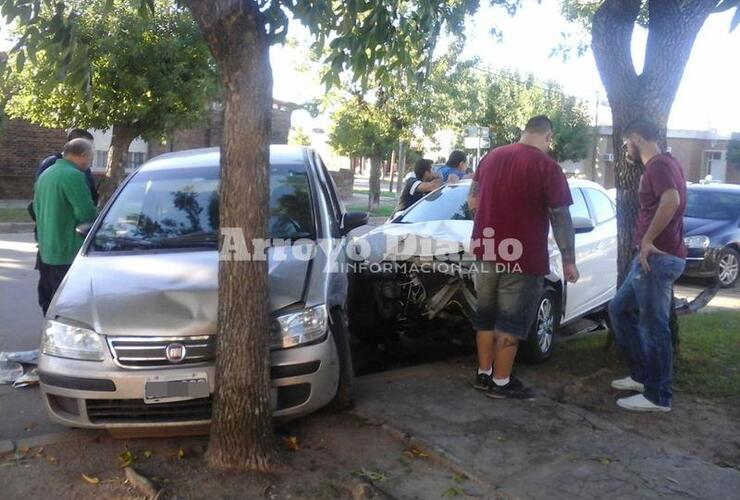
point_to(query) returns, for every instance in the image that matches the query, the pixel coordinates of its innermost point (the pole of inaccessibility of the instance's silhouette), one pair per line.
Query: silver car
(129, 338)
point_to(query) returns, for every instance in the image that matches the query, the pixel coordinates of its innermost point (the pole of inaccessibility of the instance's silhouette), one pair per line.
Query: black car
(711, 227)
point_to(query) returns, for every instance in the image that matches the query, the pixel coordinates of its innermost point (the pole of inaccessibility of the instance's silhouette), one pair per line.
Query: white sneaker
(627, 384)
(638, 402)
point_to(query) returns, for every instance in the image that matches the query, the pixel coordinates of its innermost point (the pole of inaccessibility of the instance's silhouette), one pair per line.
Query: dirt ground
(704, 425)
(334, 453)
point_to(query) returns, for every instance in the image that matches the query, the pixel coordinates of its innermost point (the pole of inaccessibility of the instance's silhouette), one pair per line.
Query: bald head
(80, 152)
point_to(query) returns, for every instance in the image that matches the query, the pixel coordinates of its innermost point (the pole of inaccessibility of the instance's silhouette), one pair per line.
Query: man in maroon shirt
(516, 192)
(640, 312)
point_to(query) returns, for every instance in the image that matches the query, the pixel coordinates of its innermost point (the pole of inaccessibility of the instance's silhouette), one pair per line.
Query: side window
(602, 205)
(579, 207)
(337, 206)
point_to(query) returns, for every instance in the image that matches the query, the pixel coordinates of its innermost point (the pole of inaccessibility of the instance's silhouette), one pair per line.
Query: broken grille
(149, 352)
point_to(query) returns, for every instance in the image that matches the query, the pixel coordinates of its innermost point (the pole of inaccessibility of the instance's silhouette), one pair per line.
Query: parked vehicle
(130, 337)
(712, 232)
(412, 293)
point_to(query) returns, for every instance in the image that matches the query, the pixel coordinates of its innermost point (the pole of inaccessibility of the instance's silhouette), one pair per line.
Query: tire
(728, 267)
(539, 345)
(344, 399)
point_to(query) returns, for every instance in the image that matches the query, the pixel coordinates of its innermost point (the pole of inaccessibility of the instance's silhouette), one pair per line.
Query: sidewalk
(531, 449)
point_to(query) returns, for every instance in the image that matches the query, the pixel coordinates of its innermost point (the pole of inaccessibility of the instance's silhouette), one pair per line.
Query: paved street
(20, 326)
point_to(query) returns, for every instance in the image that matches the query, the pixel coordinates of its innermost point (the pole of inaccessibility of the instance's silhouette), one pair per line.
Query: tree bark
(401, 167)
(673, 27)
(241, 428)
(115, 168)
(373, 203)
(394, 170)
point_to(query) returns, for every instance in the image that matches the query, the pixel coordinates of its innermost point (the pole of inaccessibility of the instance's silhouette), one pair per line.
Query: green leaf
(20, 60)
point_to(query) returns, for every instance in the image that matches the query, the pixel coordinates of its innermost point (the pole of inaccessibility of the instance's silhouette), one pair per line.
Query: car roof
(716, 188)
(574, 183)
(280, 154)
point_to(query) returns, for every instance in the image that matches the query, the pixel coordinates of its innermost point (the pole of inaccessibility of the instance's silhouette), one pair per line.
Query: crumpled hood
(694, 226)
(421, 239)
(161, 294)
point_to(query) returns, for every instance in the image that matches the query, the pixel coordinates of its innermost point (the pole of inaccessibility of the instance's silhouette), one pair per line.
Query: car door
(579, 294)
(604, 247)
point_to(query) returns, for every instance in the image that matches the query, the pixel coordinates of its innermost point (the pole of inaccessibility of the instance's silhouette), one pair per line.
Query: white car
(404, 286)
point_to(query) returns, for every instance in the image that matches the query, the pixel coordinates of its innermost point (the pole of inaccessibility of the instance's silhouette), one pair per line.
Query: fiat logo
(175, 353)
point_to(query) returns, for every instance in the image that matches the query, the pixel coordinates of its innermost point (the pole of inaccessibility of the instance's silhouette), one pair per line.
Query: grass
(383, 193)
(708, 361)
(14, 215)
(383, 211)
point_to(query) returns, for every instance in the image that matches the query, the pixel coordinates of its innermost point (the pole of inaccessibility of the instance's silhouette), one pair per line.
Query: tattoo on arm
(473, 197)
(562, 228)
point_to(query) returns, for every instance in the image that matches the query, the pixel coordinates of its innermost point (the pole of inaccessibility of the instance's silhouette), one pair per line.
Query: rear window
(447, 203)
(712, 205)
(179, 208)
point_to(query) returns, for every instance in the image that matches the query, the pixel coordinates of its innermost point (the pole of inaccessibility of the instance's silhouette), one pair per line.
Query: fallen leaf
(51, 459)
(604, 460)
(459, 478)
(126, 458)
(291, 443)
(415, 452)
(148, 454)
(453, 492)
(180, 454)
(91, 479)
(30, 426)
(375, 476)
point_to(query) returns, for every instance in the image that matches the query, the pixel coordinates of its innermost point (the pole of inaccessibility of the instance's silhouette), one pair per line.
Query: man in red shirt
(516, 192)
(640, 312)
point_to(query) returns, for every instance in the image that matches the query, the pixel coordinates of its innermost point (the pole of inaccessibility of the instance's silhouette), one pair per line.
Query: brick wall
(22, 146)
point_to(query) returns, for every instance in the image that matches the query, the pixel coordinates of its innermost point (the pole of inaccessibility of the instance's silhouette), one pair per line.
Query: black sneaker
(513, 390)
(483, 382)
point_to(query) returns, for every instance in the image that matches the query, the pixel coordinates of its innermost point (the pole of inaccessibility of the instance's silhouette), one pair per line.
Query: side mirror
(84, 228)
(351, 220)
(583, 225)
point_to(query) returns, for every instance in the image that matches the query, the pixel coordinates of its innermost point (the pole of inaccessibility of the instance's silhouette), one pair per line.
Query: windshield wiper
(188, 240)
(120, 242)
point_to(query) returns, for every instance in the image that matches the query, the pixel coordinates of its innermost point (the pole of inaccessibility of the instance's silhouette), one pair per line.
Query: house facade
(23, 145)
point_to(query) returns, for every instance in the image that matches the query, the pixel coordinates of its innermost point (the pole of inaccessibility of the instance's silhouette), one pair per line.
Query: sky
(708, 98)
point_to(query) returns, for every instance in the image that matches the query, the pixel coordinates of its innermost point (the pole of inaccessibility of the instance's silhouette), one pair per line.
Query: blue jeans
(640, 314)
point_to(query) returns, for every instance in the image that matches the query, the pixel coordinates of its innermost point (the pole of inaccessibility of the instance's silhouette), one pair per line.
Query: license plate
(161, 389)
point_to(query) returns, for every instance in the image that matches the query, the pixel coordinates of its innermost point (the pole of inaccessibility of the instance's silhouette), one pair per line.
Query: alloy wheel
(728, 268)
(545, 324)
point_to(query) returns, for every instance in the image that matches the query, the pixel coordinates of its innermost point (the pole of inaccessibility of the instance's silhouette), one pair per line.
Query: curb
(10, 445)
(16, 227)
(436, 454)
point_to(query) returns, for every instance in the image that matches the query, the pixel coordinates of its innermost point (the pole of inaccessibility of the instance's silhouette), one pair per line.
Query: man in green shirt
(62, 201)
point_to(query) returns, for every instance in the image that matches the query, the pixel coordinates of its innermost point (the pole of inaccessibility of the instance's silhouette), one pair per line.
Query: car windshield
(447, 203)
(712, 205)
(178, 208)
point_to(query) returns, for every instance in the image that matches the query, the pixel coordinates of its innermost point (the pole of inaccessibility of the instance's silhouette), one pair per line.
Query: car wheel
(344, 398)
(728, 267)
(538, 346)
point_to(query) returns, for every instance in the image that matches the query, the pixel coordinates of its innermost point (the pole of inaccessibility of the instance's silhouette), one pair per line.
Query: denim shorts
(506, 302)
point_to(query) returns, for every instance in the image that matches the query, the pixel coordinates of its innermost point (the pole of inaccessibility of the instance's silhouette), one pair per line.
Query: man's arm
(78, 195)
(473, 197)
(428, 186)
(565, 237)
(669, 202)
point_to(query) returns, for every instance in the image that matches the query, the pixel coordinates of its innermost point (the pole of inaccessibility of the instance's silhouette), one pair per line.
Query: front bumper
(103, 395)
(702, 263)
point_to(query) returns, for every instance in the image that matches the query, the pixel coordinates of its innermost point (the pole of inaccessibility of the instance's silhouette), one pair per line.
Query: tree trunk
(373, 202)
(115, 168)
(401, 167)
(394, 170)
(650, 95)
(241, 427)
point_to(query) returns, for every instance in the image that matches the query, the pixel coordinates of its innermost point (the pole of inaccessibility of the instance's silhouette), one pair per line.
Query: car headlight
(290, 330)
(69, 341)
(700, 241)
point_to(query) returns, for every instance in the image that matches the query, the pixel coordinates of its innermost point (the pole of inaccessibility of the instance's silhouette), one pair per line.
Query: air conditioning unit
(607, 157)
